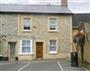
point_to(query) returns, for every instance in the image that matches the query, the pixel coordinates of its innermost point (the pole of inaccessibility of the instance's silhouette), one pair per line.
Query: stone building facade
(47, 36)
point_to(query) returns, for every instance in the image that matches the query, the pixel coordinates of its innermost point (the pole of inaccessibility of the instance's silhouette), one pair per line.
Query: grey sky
(77, 6)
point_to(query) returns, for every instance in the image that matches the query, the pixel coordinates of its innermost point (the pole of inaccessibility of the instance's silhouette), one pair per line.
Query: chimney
(64, 3)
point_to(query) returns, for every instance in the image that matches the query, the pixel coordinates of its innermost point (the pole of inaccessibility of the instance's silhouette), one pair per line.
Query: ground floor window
(26, 46)
(52, 46)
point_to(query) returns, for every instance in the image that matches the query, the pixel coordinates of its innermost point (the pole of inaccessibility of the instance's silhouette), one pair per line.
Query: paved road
(43, 66)
(40, 65)
(11, 66)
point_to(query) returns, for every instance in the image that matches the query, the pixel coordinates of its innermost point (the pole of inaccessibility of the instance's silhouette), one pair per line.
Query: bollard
(16, 58)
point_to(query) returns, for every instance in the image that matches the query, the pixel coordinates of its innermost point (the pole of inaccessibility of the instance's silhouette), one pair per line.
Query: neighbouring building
(87, 46)
(35, 31)
(84, 18)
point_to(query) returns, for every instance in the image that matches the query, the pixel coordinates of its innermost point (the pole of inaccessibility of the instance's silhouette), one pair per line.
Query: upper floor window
(52, 24)
(26, 24)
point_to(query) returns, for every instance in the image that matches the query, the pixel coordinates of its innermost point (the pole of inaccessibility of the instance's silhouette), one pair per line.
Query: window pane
(23, 50)
(52, 27)
(52, 23)
(53, 48)
(52, 45)
(26, 48)
(26, 22)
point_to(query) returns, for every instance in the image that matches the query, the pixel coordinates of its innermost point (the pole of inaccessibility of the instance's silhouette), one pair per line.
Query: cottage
(35, 31)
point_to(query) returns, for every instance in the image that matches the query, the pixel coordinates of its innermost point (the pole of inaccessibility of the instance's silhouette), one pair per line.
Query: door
(0, 48)
(39, 49)
(12, 50)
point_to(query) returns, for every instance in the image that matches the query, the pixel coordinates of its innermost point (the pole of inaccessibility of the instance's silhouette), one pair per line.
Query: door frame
(9, 48)
(42, 49)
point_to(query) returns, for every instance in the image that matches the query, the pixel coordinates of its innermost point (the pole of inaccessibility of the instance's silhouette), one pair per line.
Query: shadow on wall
(87, 51)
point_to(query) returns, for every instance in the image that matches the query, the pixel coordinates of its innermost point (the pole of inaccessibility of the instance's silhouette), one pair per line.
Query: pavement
(39, 65)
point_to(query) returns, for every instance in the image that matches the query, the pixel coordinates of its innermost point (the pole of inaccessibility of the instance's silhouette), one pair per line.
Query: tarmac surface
(38, 65)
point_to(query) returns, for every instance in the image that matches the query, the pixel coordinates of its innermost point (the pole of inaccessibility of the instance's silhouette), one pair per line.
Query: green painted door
(0, 48)
(12, 50)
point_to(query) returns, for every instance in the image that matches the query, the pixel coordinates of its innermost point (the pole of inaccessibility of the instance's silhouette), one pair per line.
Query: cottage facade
(32, 32)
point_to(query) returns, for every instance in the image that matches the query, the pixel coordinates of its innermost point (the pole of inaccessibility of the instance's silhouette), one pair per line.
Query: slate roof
(55, 9)
(77, 18)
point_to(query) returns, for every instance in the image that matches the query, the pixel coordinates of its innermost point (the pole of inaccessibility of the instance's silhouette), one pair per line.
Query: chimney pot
(64, 3)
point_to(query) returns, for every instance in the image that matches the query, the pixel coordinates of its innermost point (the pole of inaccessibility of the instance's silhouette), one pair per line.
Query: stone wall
(8, 24)
(87, 45)
(8, 31)
(11, 26)
(87, 29)
(40, 32)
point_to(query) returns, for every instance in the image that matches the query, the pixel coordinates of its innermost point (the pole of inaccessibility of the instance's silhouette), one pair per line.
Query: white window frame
(29, 23)
(20, 52)
(53, 52)
(50, 23)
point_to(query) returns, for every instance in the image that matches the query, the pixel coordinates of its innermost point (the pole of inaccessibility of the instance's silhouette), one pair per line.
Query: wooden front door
(39, 49)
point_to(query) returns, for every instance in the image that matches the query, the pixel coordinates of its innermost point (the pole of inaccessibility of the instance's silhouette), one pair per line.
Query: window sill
(26, 31)
(26, 53)
(52, 52)
(53, 31)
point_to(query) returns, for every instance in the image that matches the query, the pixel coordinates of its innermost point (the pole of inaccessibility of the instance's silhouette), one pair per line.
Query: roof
(77, 18)
(56, 9)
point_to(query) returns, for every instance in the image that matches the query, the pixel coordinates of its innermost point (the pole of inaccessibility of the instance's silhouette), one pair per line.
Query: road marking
(24, 67)
(61, 68)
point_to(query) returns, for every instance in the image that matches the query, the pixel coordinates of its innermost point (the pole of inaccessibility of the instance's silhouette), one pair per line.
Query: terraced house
(35, 31)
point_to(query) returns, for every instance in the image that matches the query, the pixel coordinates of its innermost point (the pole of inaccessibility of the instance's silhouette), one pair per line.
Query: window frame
(50, 24)
(53, 52)
(20, 52)
(29, 17)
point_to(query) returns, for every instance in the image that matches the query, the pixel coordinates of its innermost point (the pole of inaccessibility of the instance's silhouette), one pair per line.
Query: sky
(76, 6)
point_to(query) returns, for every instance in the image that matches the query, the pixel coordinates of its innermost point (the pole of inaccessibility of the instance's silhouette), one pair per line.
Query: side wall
(87, 46)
